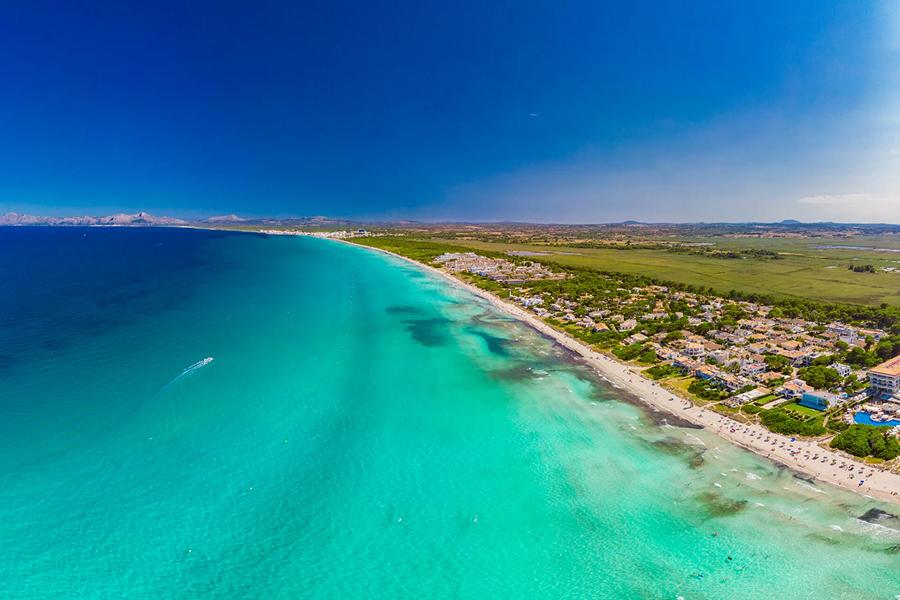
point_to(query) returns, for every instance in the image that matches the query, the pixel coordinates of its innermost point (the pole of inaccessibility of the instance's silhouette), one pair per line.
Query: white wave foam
(693, 439)
(808, 486)
(197, 365)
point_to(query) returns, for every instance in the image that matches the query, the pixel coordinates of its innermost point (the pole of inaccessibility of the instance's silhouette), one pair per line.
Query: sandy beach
(804, 456)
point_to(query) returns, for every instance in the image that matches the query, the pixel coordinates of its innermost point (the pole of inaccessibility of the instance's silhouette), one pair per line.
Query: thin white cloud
(838, 199)
(858, 207)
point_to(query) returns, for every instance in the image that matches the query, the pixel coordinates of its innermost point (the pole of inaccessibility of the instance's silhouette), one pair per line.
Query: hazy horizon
(194, 217)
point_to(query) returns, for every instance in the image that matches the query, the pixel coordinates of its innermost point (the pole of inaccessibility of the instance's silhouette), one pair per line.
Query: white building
(694, 349)
(720, 356)
(628, 325)
(885, 378)
(753, 368)
(842, 369)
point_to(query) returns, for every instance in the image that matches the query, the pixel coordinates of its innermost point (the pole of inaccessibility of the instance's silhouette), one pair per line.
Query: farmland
(803, 270)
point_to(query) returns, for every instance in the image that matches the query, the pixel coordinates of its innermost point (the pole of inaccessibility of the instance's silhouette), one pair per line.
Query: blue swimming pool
(863, 418)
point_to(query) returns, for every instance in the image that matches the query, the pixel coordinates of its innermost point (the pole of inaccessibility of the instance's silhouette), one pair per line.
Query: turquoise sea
(364, 430)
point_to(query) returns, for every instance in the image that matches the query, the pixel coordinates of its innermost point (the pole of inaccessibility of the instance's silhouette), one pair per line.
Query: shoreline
(881, 485)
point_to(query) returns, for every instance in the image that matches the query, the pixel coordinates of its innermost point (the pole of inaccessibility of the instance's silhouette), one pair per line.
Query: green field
(802, 410)
(803, 271)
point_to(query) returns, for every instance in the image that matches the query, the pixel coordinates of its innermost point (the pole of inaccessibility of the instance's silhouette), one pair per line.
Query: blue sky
(541, 111)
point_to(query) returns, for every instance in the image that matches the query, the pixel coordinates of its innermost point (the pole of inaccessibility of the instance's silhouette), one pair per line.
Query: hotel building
(885, 378)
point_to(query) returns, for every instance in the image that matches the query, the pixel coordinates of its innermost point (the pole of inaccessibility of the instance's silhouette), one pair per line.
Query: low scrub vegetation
(791, 423)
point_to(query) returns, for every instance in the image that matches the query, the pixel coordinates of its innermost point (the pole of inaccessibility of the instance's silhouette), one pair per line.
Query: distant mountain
(302, 221)
(122, 219)
(146, 219)
(12, 218)
(140, 218)
(629, 227)
(232, 218)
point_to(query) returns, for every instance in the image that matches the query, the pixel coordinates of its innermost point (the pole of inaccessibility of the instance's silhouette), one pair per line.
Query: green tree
(820, 377)
(867, 440)
(673, 335)
(779, 421)
(776, 362)
(884, 349)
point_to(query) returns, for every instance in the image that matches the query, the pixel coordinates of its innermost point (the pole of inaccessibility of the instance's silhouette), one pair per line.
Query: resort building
(885, 378)
(817, 400)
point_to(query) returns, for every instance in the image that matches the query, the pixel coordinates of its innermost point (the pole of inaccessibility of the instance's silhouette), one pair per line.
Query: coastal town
(749, 361)
(342, 234)
(501, 271)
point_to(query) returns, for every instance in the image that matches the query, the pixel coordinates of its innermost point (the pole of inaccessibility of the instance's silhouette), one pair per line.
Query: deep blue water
(63, 285)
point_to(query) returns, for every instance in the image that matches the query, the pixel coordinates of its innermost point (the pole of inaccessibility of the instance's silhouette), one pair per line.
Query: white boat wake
(197, 365)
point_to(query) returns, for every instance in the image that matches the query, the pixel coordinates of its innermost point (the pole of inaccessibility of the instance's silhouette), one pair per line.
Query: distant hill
(232, 218)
